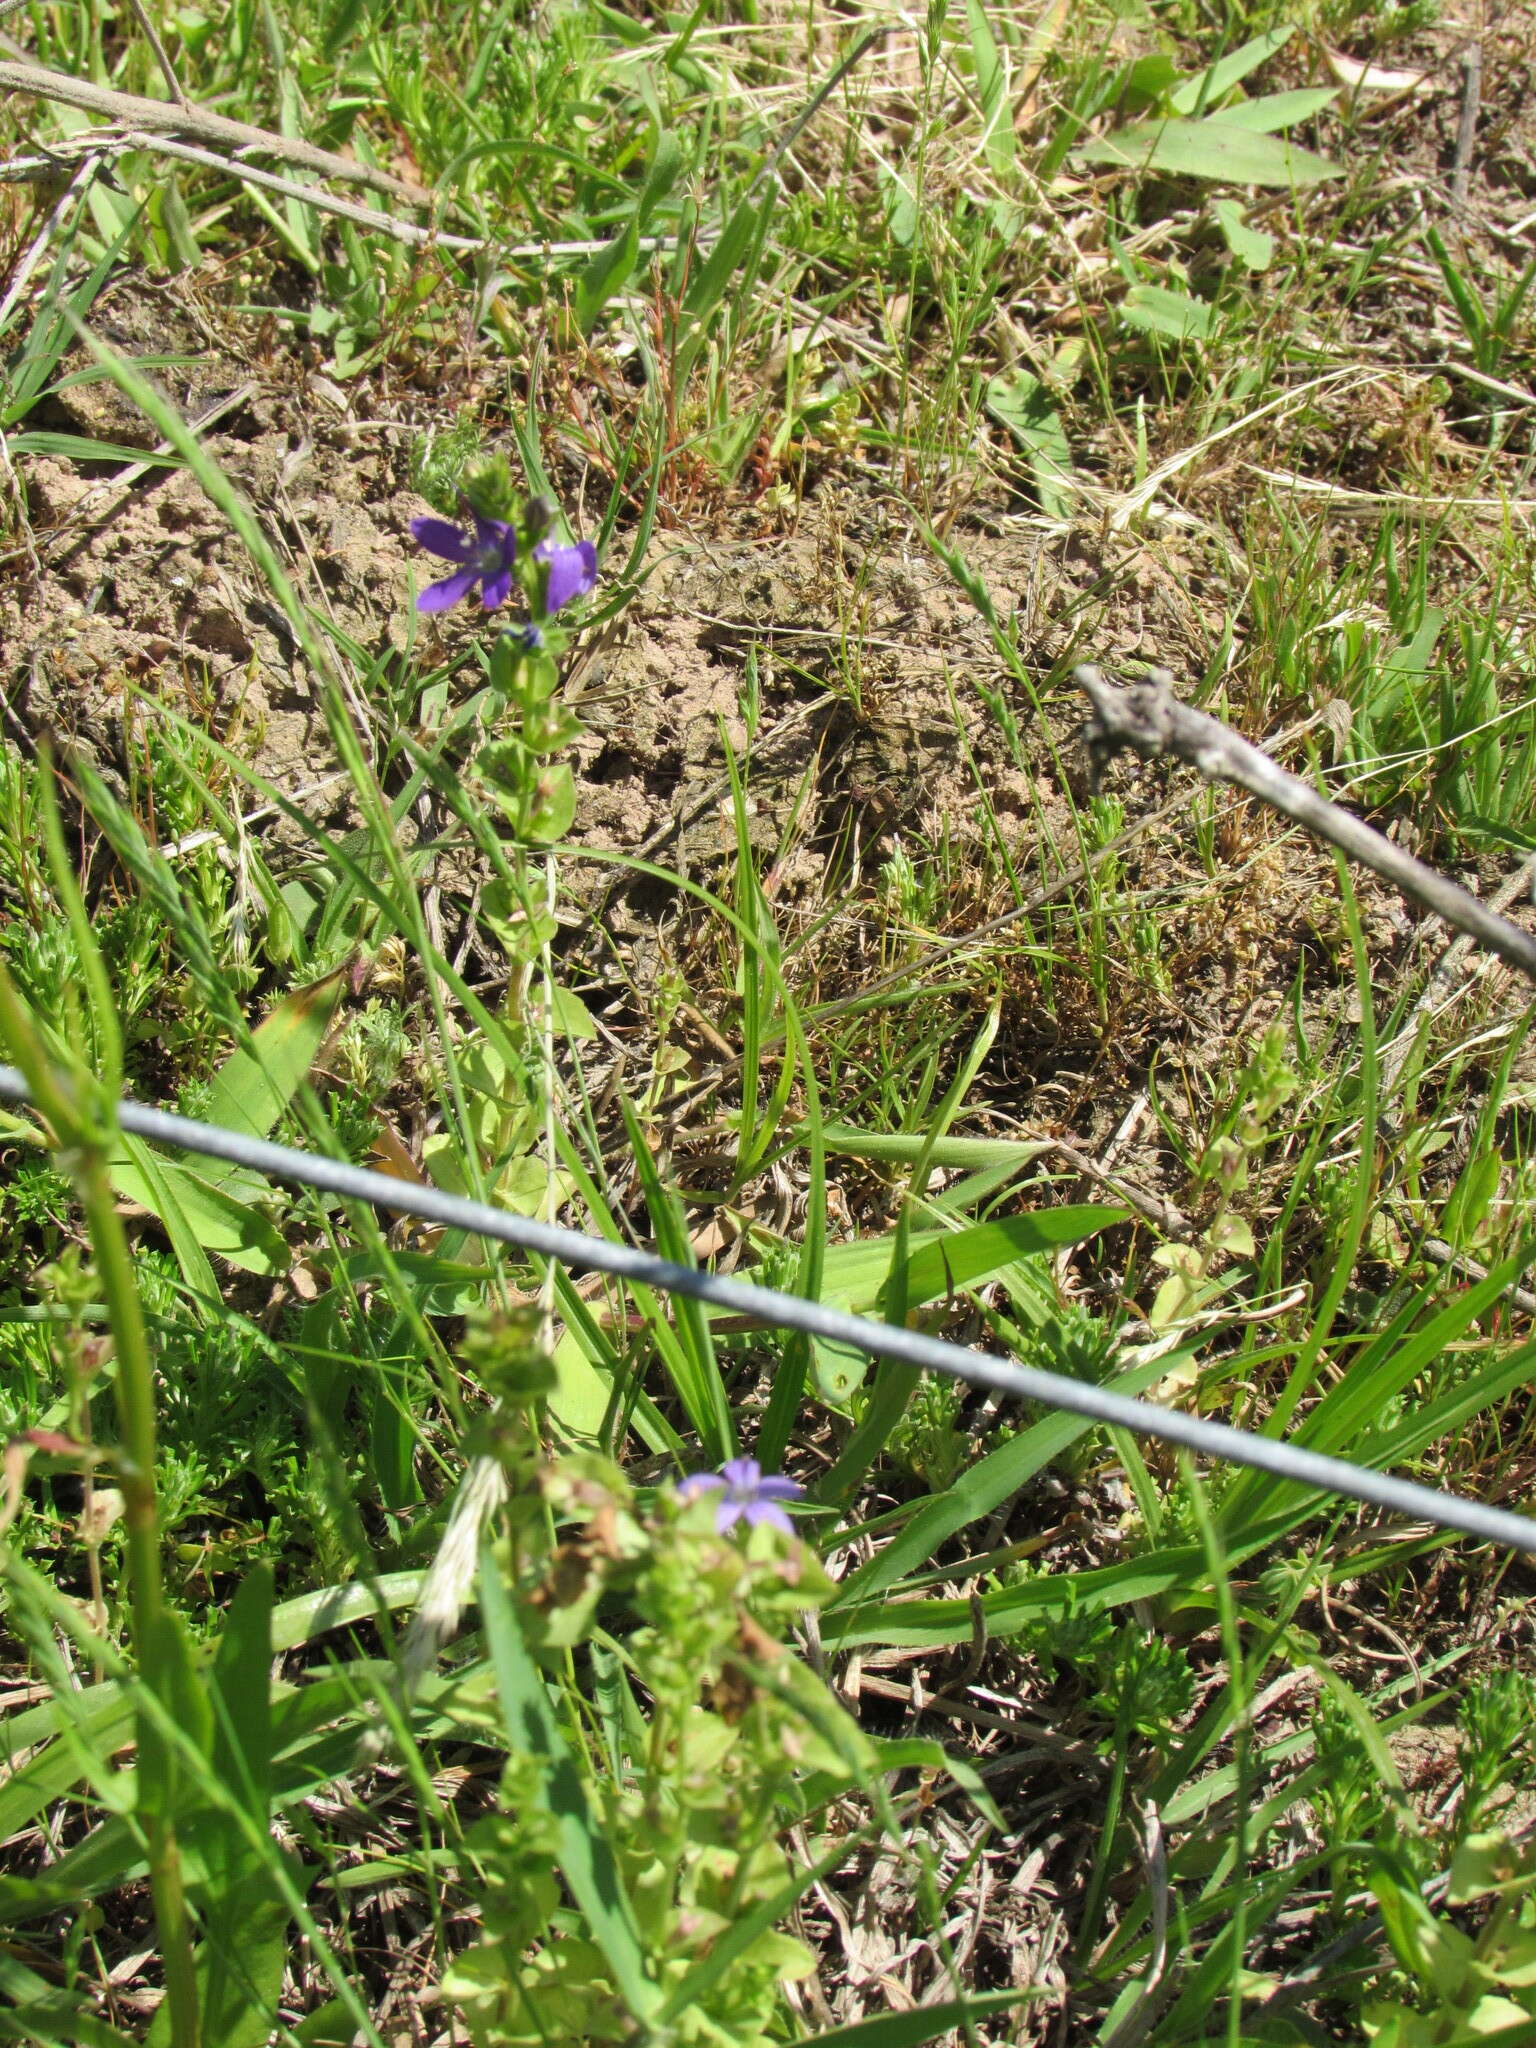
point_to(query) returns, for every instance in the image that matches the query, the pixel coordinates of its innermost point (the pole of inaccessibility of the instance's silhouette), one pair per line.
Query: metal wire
(1210, 1440)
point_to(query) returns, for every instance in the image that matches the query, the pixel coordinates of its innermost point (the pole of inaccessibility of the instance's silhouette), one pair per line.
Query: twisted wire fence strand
(1215, 1441)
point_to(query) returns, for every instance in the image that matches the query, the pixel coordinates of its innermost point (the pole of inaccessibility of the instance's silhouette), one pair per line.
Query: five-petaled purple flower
(487, 556)
(572, 571)
(746, 1495)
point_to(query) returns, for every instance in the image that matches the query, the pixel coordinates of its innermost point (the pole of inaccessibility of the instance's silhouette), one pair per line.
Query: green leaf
(605, 274)
(554, 805)
(300, 1621)
(66, 1735)
(331, 2027)
(952, 1260)
(168, 1192)
(1145, 81)
(1233, 1235)
(1218, 149)
(581, 1394)
(240, 1977)
(1253, 249)
(1157, 310)
(256, 1083)
(855, 1272)
(169, 1676)
(573, 1021)
(902, 1623)
(902, 1147)
(1521, 2036)
(392, 1436)
(1411, 658)
(900, 203)
(1277, 110)
(175, 224)
(1486, 1863)
(241, 1695)
(1022, 403)
(55, 2020)
(997, 138)
(666, 168)
(240, 1970)
(1207, 87)
(198, 1216)
(1433, 1950)
(1471, 1197)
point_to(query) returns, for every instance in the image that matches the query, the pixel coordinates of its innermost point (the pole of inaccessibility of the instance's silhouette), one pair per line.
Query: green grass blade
(926, 2023)
(1344, 1253)
(1341, 1421)
(586, 1858)
(977, 1493)
(894, 1382)
(695, 1368)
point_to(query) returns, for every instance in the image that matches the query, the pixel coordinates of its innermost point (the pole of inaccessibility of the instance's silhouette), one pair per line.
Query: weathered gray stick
(161, 117)
(98, 143)
(1150, 719)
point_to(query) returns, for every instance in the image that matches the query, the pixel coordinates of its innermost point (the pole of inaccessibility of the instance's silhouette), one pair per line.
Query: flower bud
(488, 488)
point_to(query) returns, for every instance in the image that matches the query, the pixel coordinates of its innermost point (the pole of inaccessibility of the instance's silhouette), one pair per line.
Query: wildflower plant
(1462, 1985)
(744, 1494)
(508, 544)
(694, 1739)
(486, 554)
(503, 543)
(513, 792)
(648, 1701)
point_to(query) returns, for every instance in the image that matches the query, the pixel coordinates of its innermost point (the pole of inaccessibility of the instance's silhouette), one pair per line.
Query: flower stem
(80, 1110)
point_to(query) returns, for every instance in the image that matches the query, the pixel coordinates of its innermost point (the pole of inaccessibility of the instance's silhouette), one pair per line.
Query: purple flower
(572, 571)
(746, 1493)
(487, 556)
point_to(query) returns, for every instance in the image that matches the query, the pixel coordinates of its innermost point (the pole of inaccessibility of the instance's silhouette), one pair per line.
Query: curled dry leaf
(1362, 77)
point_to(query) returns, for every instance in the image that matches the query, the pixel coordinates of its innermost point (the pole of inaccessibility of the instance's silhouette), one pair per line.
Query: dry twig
(1466, 131)
(159, 117)
(1150, 719)
(101, 143)
(162, 58)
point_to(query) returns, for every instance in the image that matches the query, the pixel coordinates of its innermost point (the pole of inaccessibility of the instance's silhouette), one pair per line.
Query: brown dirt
(140, 586)
(868, 658)
(878, 688)
(874, 675)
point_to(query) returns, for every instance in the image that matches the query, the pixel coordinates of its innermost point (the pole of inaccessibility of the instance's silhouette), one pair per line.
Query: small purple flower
(746, 1493)
(487, 556)
(572, 571)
